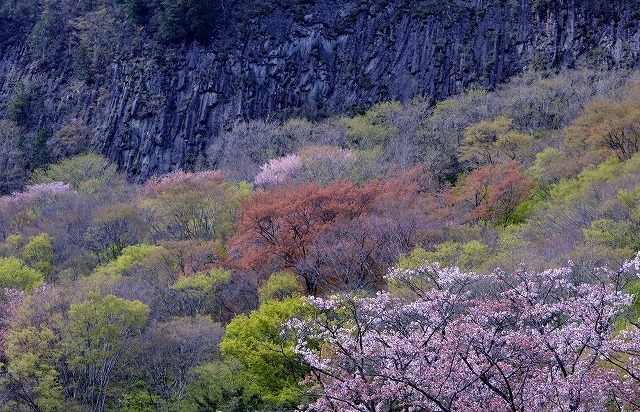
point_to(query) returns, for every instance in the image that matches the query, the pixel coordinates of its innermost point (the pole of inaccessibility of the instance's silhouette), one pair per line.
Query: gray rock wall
(156, 112)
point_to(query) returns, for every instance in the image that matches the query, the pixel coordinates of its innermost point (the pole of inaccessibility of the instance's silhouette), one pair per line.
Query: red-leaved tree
(495, 191)
(341, 236)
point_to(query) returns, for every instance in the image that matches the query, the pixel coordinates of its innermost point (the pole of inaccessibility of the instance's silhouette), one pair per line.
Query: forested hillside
(394, 259)
(310, 205)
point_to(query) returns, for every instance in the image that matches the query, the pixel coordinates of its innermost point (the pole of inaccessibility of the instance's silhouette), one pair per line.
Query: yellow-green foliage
(280, 285)
(31, 353)
(38, 253)
(86, 174)
(132, 255)
(466, 256)
(202, 282)
(15, 274)
(487, 141)
(376, 127)
(539, 171)
(571, 189)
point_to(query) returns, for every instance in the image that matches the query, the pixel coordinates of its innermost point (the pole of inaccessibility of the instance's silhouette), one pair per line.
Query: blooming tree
(278, 171)
(463, 341)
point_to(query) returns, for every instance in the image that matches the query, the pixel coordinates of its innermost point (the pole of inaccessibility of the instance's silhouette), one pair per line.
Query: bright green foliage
(198, 288)
(572, 189)
(390, 128)
(368, 165)
(220, 387)
(414, 259)
(279, 286)
(610, 233)
(539, 171)
(269, 366)
(101, 329)
(132, 255)
(15, 274)
(38, 253)
(86, 174)
(512, 246)
(622, 233)
(140, 400)
(468, 256)
(463, 255)
(375, 127)
(31, 353)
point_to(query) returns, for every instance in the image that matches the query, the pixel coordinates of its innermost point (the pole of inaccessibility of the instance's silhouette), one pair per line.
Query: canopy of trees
(303, 273)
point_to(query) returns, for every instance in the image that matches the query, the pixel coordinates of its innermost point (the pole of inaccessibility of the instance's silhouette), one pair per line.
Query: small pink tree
(278, 171)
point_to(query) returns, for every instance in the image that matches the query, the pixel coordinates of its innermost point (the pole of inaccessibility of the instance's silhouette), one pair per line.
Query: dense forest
(395, 259)
(416, 234)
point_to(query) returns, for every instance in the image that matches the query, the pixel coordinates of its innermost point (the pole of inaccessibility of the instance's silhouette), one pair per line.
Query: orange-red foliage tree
(337, 237)
(495, 191)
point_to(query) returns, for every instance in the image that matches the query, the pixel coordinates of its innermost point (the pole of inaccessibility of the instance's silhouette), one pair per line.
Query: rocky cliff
(153, 109)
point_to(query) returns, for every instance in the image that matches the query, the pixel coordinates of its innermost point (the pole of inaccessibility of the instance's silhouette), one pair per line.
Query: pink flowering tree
(467, 342)
(320, 164)
(278, 171)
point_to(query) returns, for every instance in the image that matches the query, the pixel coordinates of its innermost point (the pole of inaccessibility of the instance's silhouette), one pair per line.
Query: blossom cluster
(519, 341)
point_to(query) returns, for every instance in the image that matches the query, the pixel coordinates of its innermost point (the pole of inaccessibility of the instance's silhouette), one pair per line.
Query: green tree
(31, 355)
(220, 386)
(12, 172)
(280, 286)
(38, 253)
(269, 365)
(101, 330)
(167, 352)
(197, 289)
(46, 38)
(130, 256)
(612, 126)
(466, 256)
(137, 10)
(484, 143)
(15, 274)
(171, 21)
(39, 152)
(200, 205)
(87, 174)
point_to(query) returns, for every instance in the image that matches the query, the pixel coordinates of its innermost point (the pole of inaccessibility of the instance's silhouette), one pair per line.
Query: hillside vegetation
(396, 258)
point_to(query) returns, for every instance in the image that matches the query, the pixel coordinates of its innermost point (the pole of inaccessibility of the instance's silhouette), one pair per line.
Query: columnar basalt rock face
(156, 110)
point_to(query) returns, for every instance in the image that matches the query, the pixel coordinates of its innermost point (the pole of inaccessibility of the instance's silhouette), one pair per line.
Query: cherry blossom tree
(500, 342)
(278, 171)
